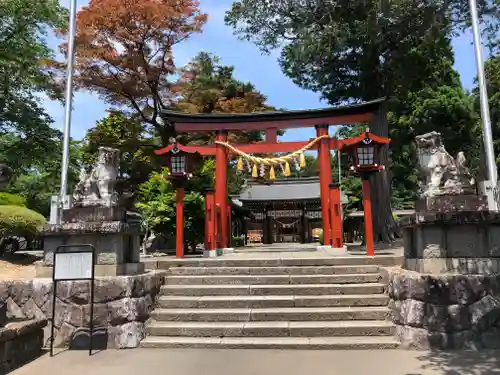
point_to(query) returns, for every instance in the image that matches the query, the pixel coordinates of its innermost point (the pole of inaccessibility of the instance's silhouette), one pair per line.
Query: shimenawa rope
(273, 160)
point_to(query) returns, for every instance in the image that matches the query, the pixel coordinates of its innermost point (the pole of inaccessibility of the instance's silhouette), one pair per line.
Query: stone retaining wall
(20, 343)
(122, 305)
(444, 311)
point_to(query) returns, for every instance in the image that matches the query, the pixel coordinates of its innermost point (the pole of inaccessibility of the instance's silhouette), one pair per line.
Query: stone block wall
(122, 305)
(447, 311)
(20, 343)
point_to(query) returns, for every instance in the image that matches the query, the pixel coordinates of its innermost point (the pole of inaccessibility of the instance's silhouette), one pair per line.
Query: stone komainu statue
(444, 175)
(98, 187)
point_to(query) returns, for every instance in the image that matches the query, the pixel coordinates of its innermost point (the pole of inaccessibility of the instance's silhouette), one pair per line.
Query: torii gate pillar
(221, 187)
(325, 179)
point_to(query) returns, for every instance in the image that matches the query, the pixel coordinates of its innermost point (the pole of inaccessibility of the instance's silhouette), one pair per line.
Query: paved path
(264, 362)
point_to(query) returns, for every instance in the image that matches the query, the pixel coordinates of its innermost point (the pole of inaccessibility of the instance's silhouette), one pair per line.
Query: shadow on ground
(8, 369)
(22, 259)
(459, 363)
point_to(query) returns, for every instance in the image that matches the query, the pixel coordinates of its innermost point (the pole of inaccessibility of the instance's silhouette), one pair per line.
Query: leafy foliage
(446, 109)
(345, 50)
(124, 52)
(19, 219)
(157, 205)
(492, 71)
(27, 67)
(131, 138)
(7, 199)
(38, 183)
(208, 86)
(352, 51)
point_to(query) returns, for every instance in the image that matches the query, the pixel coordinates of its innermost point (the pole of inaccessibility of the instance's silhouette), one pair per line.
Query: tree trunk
(385, 228)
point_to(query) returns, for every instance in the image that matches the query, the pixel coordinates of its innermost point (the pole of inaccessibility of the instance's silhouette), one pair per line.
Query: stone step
(304, 270)
(270, 290)
(272, 328)
(306, 343)
(380, 260)
(273, 279)
(231, 302)
(288, 250)
(272, 314)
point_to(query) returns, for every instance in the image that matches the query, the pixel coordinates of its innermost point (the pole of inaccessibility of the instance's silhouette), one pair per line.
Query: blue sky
(250, 65)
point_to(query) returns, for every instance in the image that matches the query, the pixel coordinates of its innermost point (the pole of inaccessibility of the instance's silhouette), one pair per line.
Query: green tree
(40, 182)
(131, 138)
(446, 109)
(27, 67)
(208, 86)
(157, 205)
(492, 71)
(352, 51)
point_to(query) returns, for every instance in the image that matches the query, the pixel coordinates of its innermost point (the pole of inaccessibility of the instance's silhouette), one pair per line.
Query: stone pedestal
(114, 234)
(460, 242)
(448, 294)
(452, 203)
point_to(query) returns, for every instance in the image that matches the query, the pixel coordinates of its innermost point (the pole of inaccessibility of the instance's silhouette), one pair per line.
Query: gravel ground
(19, 265)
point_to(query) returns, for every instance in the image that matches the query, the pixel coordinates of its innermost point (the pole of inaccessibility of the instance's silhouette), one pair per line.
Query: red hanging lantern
(365, 152)
(181, 163)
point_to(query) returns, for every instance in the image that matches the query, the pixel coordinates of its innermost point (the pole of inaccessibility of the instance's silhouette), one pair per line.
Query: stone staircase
(291, 303)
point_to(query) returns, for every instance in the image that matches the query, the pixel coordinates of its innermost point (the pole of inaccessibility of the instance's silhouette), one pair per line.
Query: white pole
(485, 110)
(69, 99)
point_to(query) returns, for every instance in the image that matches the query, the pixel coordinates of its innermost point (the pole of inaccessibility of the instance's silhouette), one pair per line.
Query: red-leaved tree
(123, 52)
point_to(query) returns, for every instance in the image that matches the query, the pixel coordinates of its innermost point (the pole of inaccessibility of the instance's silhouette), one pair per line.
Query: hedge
(7, 199)
(20, 219)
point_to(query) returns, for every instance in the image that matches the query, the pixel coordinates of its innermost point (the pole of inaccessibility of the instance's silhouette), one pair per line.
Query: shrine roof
(353, 113)
(282, 190)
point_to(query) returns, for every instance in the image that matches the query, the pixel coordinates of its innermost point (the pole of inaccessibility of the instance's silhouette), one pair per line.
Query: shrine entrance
(286, 230)
(284, 211)
(296, 224)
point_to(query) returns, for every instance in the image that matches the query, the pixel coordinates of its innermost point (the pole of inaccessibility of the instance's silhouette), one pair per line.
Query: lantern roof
(366, 138)
(179, 147)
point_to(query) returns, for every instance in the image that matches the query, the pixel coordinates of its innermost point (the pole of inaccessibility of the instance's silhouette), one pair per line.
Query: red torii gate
(218, 211)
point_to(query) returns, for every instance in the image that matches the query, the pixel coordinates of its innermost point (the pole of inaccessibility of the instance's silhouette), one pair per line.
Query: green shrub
(320, 239)
(7, 199)
(20, 219)
(238, 241)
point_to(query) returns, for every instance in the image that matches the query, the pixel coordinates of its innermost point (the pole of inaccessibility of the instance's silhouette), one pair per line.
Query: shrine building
(286, 210)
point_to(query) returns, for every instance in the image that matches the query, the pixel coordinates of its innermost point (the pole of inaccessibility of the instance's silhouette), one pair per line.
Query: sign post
(73, 262)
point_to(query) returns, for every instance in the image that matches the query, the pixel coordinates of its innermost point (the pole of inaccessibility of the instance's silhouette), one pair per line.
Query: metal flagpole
(485, 110)
(69, 100)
